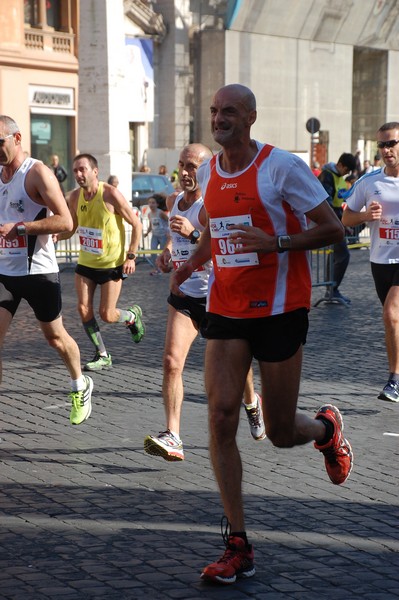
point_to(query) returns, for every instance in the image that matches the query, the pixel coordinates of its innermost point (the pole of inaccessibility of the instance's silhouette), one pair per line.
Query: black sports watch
(131, 256)
(283, 243)
(21, 229)
(194, 236)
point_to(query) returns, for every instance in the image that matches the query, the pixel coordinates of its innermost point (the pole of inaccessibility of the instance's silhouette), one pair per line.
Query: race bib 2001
(91, 240)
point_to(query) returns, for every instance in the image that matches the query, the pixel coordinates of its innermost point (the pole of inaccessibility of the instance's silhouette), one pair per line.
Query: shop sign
(51, 97)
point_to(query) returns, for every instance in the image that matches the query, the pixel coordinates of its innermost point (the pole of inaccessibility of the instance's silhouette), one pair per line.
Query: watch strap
(283, 243)
(194, 236)
(21, 228)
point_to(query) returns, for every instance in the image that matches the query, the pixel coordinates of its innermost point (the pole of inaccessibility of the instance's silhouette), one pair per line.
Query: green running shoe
(81, 403)
(99, 362)
(137, 327)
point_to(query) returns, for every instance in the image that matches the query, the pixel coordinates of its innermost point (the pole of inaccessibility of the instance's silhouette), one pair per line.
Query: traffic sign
(313, 125)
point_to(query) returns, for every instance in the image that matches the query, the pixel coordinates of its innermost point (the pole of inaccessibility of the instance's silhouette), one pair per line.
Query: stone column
(103, 127)
(41, 15)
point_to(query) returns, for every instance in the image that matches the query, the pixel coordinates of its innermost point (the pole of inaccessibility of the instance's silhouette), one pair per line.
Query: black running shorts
(42, 292)
(271, 339)
(385, 276)
(100, 276)
(194, 308)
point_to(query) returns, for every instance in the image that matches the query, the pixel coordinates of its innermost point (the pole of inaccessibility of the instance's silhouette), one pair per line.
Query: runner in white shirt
(374, 199)
(32, 208)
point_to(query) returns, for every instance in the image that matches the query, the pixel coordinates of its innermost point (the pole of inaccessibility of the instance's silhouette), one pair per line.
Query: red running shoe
(338, 456)
(237, 561)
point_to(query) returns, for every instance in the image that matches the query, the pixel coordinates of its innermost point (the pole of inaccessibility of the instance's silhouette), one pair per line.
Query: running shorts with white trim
(42, 293)
(271, 339)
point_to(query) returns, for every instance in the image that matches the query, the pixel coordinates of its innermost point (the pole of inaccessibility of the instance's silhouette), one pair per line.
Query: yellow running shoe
(81, 403)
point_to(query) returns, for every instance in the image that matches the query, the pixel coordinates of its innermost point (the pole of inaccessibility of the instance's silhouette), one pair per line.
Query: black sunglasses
(388, 144)
(3, 140)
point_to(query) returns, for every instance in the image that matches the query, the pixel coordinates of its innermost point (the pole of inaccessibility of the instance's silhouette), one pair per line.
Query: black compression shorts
(385, 276)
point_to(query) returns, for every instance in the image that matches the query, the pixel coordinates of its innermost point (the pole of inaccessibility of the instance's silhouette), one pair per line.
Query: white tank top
(182, 248)
(27, 254)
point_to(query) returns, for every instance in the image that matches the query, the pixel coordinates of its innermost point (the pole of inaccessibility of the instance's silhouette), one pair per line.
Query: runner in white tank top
(32, 208)
(17, 256)
(183, 248)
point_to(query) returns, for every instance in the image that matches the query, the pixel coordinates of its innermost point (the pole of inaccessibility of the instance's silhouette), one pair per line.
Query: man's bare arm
(350, 217)
(42, 186)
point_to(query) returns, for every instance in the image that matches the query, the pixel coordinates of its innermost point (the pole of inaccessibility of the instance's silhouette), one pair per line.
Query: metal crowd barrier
(322, 261)
(67, 251)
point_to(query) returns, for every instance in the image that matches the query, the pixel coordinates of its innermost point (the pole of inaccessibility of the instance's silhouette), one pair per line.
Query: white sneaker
(255, 418)
(166, 445)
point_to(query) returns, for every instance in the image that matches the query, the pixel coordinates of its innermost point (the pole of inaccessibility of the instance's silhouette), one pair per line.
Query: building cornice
(144, 17)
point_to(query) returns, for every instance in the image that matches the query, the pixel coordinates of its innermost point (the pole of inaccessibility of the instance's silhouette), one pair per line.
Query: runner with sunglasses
(374, 199)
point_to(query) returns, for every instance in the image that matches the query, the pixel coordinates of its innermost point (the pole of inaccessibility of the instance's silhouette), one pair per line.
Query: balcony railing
(50, 41)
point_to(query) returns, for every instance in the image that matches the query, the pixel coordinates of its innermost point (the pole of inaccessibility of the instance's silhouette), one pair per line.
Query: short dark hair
(348, 160)
(389, 126)
(92, 159)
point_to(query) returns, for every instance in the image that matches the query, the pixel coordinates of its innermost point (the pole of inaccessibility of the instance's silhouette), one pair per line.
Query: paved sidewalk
(85, 513)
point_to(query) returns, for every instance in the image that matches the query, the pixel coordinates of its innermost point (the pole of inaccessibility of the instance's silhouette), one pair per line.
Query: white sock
(252, 405)
(126, 316)
(78, 384)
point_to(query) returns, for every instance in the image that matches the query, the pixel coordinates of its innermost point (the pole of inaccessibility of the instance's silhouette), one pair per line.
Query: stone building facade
(131, 80)
(333, 60)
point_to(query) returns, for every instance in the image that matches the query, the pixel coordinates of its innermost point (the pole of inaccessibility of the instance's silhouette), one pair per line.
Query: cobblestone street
(85, 513)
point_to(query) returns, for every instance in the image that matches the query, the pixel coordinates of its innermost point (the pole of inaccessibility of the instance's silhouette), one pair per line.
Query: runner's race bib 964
(228, 254)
